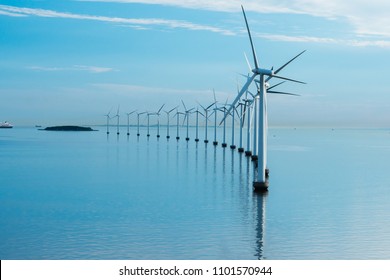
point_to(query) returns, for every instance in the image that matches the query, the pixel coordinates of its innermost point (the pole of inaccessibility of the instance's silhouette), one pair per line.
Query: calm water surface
(83, 195)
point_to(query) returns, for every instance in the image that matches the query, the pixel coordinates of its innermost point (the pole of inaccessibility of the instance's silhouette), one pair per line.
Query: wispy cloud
(10, 14)
(90, 69)
(325, 40)
(133, 22)
(366, 18)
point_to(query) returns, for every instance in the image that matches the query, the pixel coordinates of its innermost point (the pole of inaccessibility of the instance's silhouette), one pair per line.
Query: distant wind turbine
(117, 121)
(138, 115)
(108, 121)
(215, 142)
(158, 120)
(178, 123)
(128, 121)
(224, 110)
(233, 146)
(187, 117)
(168, 112)
(206, 115)
(197, 124)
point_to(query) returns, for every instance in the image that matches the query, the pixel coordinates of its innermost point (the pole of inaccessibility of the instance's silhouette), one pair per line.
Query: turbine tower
(128, 122)
(117, 121)
(187, 117)
(260, 182)
(197, 124)
(138, 115)
(215, 142)
(108, 121)
(168, 112)
(178, 123)
(158, 120)
(206, 115)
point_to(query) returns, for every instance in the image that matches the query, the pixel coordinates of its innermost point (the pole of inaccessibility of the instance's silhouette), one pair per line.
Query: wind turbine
(248, 103)
(260, 183)
(128, 121)
(158, 120)
(138, 115)
(117, 121)
(206, 115)
(148, 125)
(197, 124)
(186, 116)
(108, 121)
(178, 123)
(233, 146)
(215, 143)
(168, 112)
(224, 110)
(242, 120)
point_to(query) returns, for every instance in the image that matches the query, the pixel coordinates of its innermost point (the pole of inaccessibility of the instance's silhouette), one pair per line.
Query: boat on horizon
(6, 125)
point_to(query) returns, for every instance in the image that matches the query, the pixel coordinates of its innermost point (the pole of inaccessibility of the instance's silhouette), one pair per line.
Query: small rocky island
(68, 128)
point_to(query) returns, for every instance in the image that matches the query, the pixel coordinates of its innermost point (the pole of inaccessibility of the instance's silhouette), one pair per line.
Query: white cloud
(324, 40)
(365, 17)
(91, 69)
(131, 21)
(369, 20)
(5, 13)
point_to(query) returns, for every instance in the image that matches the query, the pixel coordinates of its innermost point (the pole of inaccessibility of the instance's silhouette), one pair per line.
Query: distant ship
(6, 125)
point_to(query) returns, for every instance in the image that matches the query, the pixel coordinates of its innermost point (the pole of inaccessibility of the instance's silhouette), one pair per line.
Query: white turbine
(128, 121)
(260, 183)
(117, 121)
(177, 123)
(108, 121)
(158, 120)
(138, 115)
(187, 117)
(168, 112)
(224, 110)
(215, 143)
(197, 124)
(233, 146)
(206, 115)
(242, 121)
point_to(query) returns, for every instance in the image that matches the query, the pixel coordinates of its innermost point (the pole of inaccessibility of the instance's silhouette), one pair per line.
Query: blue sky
(70, 62)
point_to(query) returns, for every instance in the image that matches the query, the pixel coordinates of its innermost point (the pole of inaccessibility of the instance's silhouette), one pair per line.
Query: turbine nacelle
(260, 71)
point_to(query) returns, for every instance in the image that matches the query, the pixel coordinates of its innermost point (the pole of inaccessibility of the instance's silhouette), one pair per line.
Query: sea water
(89, 195)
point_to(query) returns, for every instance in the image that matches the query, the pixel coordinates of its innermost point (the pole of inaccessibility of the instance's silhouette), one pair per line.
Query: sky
(72, 62)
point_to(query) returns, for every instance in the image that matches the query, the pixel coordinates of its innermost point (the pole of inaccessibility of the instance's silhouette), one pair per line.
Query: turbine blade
(282, 92)
(247, 62)
(278, 84)
(173, 109)
(201, 105)
(287, 63)
(158, 112)
(184, 105)
(185, 117)
(243, 90)
(210, 105)
(250, 38)
(287, 79)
